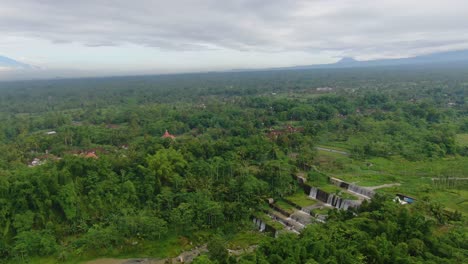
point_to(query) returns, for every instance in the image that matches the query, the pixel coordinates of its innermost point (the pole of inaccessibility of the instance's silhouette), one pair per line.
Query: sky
(118, 37)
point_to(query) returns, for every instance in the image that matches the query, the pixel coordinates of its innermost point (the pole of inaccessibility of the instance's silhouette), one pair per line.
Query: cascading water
(322, 196)
(259, 224)
(340, 203)
(353, 188)
(361, 190)
(313, 193)
(330, 199)
(335, 201)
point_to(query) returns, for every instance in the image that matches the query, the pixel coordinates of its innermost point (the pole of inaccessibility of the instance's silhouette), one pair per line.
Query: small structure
(51, 133)
(404, 199)
(168, 135)
(324, 89)
(112, 126)
(91, 155)
(36, 162)
(275, 133)
(43, 159)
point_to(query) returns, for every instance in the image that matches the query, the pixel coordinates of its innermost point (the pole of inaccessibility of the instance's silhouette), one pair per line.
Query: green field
(285, 206)
(414, 177)
(265, 218)
(461, 140)
(245, 239)
(301, 199)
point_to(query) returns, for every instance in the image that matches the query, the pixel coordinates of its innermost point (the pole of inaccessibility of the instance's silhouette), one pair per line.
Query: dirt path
(333, 150)
(237, 252)
(128, 261)
(383, 186)
(107, 261)
(450, 178)
(185, 257)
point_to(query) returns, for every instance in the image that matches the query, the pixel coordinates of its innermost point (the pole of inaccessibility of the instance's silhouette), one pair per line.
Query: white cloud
(359, 28)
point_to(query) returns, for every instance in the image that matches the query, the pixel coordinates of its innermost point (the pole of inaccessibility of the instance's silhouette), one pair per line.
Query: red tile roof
(168, 135)
(91, 155)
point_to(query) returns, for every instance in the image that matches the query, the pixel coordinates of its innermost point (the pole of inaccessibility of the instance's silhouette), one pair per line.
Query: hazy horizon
(96, 38)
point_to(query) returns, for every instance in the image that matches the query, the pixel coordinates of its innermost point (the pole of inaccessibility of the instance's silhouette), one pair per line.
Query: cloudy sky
(98, 37)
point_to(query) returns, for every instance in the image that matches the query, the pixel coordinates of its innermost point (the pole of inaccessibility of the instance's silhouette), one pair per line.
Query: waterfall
(340, 203)
(321, 218)
(335, 201)
(322, 196)
(361, 190)
(330, 199)
(350, 203)
(259, 224)
(346, 204)
(313, 192)
(353, 188)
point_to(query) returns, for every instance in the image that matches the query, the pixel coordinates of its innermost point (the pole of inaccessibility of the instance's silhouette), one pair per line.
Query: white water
(361, 190)
(313, 193)
(259, 224)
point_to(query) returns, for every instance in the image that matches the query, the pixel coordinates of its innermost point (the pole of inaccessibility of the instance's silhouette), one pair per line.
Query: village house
(168, 135)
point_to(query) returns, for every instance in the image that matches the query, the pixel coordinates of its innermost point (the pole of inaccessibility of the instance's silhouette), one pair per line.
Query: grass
(169, 246)
(323, 211)
(246, 239)
(267, 220)
(338, 147)
(462, 140)
(333, 189)
(324, 153)
(301, 199)
(415, 177)
(321, 181)
(285, 206)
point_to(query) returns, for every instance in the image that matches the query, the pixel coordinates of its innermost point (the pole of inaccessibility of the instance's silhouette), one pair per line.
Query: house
(40, 160)
(275, 133)
(36, 162)
(168, 135)
(404, 199)
(51, 133)
(324, 89)
(91, 155)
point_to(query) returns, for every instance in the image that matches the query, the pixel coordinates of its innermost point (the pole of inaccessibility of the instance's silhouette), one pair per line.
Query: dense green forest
(86, 173)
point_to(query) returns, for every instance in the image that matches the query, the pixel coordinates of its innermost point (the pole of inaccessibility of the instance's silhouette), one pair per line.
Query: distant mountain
(346, 61)
(431, 59)
(9, 63)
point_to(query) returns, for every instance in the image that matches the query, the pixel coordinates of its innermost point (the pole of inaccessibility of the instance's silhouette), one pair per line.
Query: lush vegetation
(105, 183)
(382, 232)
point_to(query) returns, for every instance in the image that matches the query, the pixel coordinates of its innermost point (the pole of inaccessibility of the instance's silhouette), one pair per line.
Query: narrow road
(383, 186)
(450, 178)
(333, 150)
(184, 257)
